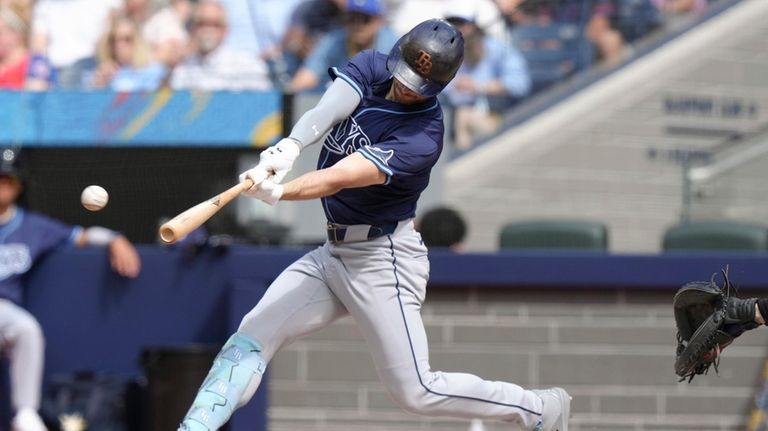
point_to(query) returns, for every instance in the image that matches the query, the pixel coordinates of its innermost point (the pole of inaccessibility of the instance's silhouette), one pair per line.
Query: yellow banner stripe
(162, 96)
(267, 130)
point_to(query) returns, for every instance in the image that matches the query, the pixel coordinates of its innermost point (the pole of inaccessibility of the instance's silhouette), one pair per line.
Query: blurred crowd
(514, 48)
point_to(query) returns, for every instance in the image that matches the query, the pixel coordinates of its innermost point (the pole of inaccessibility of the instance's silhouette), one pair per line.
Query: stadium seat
(553, 52)
(555, 234)
(716, 235)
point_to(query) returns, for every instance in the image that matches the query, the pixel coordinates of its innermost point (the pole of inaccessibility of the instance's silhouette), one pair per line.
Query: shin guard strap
(245, 352)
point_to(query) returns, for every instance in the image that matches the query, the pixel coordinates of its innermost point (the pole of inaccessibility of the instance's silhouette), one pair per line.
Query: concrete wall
(611, 151)
(613, 350)
(610, 344)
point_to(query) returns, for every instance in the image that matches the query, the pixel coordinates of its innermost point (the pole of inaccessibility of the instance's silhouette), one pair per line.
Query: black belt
(342, 233)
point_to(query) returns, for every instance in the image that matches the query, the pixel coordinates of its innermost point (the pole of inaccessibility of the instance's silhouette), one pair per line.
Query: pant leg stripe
(413, 352)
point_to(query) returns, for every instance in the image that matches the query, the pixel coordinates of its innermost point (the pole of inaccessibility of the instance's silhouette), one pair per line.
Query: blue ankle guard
(232, 370)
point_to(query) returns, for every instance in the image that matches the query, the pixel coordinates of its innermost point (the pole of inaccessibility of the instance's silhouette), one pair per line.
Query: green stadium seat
(554, 234)
(716, 235)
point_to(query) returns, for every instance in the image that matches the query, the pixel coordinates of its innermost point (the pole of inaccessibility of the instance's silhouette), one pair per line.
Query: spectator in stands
(607, 40)
(309, 22)
(28, 236)
(166, 32)
(258, 26)
(14, 55)
(492, 78)
(595, 17)
(673, 10)
(680, 6)
(442, 227)
(402, 15)
(138, 11)
(22, 7)
(635, 19)
(64, 37)
(521, 12)
(124, 60)
(211, 66)
(363, 29)
(19, 69)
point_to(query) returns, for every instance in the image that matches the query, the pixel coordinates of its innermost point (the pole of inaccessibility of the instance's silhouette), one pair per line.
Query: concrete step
(701, 422)
(307, 419)
(527, 364)
(291, 419)
(649, 329)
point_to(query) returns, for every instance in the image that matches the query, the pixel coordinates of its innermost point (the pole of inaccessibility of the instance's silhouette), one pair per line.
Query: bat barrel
(184, 223)
(168, 234)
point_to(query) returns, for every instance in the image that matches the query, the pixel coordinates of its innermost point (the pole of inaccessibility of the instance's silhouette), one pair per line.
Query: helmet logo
(424, 63)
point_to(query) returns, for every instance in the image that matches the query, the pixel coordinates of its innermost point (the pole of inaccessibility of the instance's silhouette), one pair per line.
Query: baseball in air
(94, 198)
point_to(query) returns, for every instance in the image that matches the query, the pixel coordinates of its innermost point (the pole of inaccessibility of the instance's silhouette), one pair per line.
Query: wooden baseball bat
(184, 223)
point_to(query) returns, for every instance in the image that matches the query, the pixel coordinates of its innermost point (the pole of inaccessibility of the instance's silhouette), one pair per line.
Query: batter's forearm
(350, 172)
(312, 185)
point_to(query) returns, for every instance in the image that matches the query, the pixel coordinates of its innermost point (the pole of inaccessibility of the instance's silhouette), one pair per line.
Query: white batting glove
(257, 174)
(277, 160)
(267, 191)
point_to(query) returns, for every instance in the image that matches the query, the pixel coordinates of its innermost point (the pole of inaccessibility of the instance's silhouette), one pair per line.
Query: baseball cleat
(28, 420)
(556, 409)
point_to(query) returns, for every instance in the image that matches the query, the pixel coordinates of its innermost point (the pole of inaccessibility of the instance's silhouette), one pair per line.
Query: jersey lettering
(346, 138)
(14, 259)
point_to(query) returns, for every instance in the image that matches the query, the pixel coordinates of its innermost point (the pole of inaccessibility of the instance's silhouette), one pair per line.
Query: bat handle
(247, 184)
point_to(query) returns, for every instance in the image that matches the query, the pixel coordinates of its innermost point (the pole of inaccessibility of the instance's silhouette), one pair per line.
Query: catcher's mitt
(708, 319)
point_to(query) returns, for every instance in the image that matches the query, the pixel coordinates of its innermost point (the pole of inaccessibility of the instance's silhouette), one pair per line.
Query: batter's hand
(274, 163)
(267, 191)
(124, 258)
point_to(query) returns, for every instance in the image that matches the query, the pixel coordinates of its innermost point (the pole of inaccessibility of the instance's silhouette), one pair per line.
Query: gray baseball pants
(381, 283)
(21, 339)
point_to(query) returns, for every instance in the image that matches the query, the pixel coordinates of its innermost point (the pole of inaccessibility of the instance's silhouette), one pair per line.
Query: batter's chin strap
(229, 378)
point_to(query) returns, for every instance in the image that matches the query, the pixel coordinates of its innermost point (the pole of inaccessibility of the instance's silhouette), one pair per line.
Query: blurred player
(386, 134)
(25, 236)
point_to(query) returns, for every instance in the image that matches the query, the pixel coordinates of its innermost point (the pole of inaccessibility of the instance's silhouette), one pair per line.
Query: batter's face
(401, 94)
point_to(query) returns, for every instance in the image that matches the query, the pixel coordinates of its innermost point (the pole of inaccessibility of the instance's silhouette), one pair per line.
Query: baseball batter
(25, 236)
(386, 134)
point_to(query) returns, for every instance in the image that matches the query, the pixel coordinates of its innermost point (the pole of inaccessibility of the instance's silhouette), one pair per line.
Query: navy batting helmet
(426, 58)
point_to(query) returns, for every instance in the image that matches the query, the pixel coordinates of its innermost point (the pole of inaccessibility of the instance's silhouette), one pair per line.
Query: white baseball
(94, 198)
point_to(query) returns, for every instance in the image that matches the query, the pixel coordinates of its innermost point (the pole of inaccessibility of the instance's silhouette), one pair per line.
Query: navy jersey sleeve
(362, 71)
(409, 155)
(53, 233)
